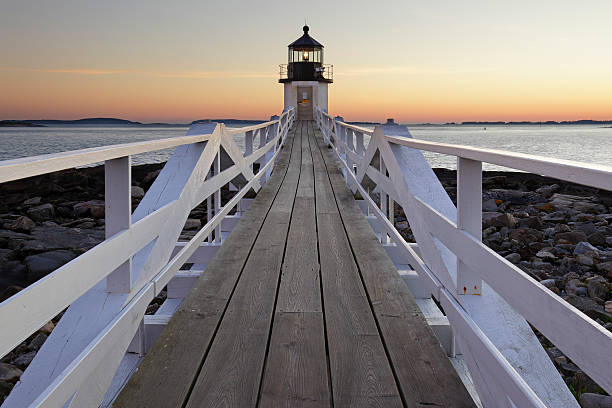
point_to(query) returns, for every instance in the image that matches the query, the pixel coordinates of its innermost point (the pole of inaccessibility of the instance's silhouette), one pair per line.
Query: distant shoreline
(123, 122)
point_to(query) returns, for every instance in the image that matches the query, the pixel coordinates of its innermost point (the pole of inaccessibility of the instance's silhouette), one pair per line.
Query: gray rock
(585, 248)
(557, 216)
(137, 192)
(49, 238)
(5, 254)
(489, 205)
(513, 257)
(572, 237)
(401, 225)
(597, 286)
(547, 191)
(590, 400)
(41, 265)
(608, 306)
(23, 360)
(93, 207)
(526, 235)
(37, 342)
(605, 267)
(571, 287)
(13, 273)
(32, 201)
(192, 224)
(609, 241)
(22, 223)
(545, 255)
(42, 212)
(9, 373)
(549, 283)
(585, 260)
(531, 222)
(597, 238)
(514, 196)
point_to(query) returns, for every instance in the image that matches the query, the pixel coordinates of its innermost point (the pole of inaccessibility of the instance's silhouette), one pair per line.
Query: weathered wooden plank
(296, 372)
(167, 373)
(296, 369)
(424, 373)
(360, 371)
(232, 370)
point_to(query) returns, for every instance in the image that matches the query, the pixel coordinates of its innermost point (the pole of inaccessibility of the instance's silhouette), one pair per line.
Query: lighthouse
(305, 76)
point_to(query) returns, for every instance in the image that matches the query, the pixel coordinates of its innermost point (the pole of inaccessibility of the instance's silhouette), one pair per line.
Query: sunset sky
(435, 61)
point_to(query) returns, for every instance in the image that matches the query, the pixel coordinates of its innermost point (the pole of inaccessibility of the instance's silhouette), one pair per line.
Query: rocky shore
(559, 233)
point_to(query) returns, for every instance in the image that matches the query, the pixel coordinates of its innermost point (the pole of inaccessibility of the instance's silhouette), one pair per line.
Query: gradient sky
(433, 61)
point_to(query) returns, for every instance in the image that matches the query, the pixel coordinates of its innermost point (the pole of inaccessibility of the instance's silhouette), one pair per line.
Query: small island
(18, 123)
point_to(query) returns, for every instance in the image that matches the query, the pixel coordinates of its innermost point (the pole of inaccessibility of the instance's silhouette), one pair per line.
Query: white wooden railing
(108, 288)
(488, 300)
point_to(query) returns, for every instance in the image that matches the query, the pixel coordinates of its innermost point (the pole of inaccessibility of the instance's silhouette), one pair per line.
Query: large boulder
(22, 223)
(41, 265)
(573, 237)
(53, 237)
(590, 400)
(42, 212)
(9, 373)
(12, 273)
(95, 208)
(526, 235)
(496, 219)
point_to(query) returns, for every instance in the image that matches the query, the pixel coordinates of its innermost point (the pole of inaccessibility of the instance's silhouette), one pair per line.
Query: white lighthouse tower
(305, 77)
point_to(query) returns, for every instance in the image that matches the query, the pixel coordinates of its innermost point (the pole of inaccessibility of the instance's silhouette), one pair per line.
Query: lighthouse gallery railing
(507, 364)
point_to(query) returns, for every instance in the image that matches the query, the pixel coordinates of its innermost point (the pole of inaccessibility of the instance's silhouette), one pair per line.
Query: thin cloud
(160, 74)
(77, 71)
(409, 71)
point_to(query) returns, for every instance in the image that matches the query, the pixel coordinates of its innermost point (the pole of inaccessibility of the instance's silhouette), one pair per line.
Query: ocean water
(585, 143)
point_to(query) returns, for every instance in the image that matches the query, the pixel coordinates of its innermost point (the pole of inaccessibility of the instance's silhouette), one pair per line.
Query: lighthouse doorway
(304, 102)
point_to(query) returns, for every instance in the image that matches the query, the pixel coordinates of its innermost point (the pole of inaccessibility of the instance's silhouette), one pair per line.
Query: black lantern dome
(305, 61)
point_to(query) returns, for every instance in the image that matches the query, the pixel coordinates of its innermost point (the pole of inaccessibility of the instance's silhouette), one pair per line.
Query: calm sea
(586, 143)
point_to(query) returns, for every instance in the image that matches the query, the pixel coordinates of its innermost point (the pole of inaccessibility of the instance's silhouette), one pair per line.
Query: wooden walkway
(301, 307)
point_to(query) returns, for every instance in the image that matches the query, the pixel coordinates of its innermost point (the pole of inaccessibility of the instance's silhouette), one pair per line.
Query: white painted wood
(32, 166)
(562, 324)
(97, 353)
(64, 362)
(127, 367)
(469, 218)
(489, 358)
(588, 174)
(417, 184)
(30, 309)
(180, 285)
(118, 215)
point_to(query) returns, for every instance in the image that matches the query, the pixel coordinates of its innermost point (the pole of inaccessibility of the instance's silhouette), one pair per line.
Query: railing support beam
(469, 218)
(118, 215)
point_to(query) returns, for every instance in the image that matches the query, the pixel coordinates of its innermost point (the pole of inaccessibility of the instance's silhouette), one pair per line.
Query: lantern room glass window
(305, 55)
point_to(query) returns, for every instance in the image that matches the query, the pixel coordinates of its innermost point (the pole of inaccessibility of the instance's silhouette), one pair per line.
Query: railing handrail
(193, 175)
(15, 169)
(588, 174)
(457, 229)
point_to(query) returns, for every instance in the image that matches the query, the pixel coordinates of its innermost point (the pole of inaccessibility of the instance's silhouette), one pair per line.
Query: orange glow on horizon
(415, 63)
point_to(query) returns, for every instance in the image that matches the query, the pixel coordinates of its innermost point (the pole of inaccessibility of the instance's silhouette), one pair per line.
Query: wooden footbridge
(300, 307)
(305, 295)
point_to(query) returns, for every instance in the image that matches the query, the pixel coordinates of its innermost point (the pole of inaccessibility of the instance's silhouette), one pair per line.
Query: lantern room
(305, 76)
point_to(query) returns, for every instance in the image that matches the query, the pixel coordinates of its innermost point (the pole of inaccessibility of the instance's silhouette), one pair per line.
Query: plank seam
(327, 361)
(280, 274)
(218, 325)
(380, 334)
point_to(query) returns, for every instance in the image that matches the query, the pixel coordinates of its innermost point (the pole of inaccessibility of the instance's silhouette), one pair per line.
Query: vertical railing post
(217, 167)
(469, 218)
(118, 215)
(384, 206)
